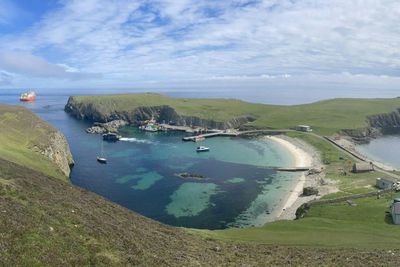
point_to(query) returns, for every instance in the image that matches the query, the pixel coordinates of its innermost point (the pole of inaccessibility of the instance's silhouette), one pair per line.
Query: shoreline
(304, 155)
(349, 144)
(301, 159)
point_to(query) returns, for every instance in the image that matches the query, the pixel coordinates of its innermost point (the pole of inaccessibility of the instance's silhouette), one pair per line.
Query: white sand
(301, 159)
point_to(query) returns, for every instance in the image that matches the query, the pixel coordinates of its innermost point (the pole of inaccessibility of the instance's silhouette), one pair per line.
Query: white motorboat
(202, 149)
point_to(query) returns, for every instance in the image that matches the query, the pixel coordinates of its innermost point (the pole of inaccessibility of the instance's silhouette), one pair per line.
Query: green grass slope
(365, 226)
(20, 132)
(46, 222)
(326, 117)
(340, 225)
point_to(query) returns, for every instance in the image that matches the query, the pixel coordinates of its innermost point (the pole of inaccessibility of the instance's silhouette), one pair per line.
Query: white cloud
(6, 78)
(30, 65)
(130, 42)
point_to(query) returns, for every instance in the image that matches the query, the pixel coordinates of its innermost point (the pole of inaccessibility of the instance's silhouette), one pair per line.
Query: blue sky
(183, 43)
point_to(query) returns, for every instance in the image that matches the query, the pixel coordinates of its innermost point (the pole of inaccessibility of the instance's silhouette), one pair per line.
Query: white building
(395, 209)
(383, 183)
(304, 128)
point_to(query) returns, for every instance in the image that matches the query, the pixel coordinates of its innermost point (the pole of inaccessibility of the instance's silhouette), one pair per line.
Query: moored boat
(113, 137)
(102, 160)
(149, 127)
(202, 149)
(28, 96)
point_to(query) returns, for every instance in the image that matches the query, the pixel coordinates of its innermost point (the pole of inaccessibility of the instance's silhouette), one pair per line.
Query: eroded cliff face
(57, 150)
(378, 125)
(387, 122)
(162, 114)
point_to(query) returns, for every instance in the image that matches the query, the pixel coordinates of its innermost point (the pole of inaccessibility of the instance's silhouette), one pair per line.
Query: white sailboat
(102, 159)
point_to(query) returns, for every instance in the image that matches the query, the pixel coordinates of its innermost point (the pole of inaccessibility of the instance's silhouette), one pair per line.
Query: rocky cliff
(57, 150)
(378, 125)
(387, 122)
(161, 113)
(22, 132)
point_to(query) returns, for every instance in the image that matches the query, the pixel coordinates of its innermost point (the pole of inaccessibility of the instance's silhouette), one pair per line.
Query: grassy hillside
(20, 132)
(341, 225)
(364, 226)
(326, 117)
(46, 222)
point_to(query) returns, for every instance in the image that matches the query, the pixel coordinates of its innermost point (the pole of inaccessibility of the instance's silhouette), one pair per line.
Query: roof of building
(362, 166)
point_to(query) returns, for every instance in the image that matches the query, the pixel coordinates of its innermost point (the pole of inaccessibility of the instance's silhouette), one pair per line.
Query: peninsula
(355, 117)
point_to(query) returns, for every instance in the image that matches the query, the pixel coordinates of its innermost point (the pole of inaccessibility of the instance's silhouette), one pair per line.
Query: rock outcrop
(25, 133)
(162, 114)
(387, 122)
(57, 150)
(310, 190)
(108, 127)
(378, 125)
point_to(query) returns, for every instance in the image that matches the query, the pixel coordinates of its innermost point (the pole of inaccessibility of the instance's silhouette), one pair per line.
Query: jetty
(292, 169)
(231, 133)
(187, 129)
(208, 135)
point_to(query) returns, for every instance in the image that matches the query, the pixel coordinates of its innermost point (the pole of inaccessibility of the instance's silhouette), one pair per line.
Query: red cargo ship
(28, 96)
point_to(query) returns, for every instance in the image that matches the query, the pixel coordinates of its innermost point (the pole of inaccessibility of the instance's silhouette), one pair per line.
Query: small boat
(28, 96)
(102, 160)
(151, 128)
(202, 149)
(112, 137)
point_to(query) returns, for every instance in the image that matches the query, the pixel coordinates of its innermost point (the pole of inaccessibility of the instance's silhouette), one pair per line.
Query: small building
(384, 183)
(362, 167)
(395, 210)
(304, 128)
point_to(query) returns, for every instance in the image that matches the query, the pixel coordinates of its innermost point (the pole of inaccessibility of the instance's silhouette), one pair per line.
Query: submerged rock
(187, 175)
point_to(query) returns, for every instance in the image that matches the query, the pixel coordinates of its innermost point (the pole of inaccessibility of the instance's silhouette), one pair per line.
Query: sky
(263, 44)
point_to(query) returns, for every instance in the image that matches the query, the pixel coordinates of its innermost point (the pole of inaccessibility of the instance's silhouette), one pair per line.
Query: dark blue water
(141, 174)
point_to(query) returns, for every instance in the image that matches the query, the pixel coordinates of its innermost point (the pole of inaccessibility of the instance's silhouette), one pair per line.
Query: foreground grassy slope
(20, 132)
(326, 117)
(46, 222)
(341, 225)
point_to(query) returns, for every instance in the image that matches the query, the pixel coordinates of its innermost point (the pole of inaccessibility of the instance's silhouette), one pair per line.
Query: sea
(241, 187)
(384, 149)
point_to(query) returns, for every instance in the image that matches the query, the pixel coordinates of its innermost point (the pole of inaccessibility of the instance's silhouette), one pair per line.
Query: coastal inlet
(161, 177)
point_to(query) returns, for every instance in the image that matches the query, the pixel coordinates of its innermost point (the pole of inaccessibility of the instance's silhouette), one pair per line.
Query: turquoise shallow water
(240, 189)
(141, 174)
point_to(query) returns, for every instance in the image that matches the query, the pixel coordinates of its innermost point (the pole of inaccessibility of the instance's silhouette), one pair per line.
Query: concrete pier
(208, 135)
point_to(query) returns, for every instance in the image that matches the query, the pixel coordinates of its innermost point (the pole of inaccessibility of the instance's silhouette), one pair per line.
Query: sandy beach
(304, 156)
